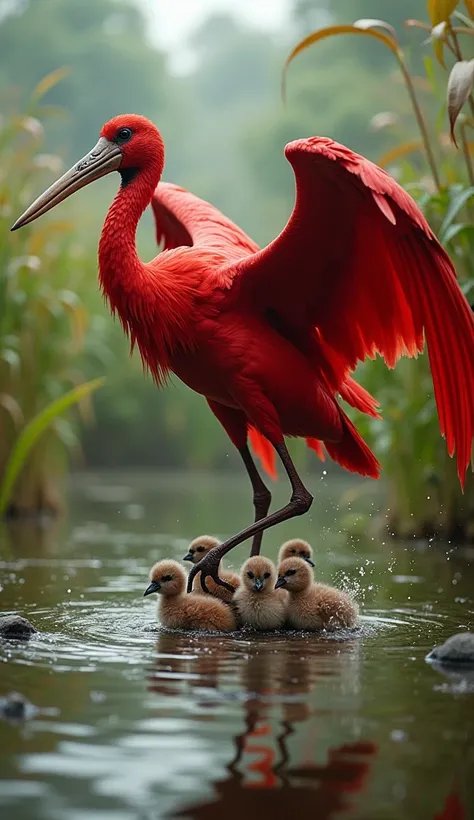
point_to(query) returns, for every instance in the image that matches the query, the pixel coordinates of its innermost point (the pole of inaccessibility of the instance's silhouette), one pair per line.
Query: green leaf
(32, 432)
(456, 230)
(459, 88)
(457, 202)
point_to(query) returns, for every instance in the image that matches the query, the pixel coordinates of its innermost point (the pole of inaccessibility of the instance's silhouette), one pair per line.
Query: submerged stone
(16, 627)
(457, 650)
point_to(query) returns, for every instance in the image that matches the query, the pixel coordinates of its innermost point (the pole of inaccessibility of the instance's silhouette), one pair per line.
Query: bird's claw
(209, 568)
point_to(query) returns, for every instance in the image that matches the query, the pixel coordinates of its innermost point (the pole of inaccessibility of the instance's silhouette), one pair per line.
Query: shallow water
(133, 722)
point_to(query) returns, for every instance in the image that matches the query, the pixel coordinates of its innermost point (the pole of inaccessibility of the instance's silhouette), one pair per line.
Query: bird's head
(128, 144)
(258, 574)
(297, 547)
(294, 575)
(167, 577)
(200, 547)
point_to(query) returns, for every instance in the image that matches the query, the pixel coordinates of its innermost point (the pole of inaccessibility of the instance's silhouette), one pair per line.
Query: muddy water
(133, 723)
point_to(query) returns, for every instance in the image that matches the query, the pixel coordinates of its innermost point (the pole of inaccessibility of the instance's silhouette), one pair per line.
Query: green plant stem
(468, 160)
(419, 118)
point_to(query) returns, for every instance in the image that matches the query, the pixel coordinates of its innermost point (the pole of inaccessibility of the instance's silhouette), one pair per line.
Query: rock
(458, 650)
(15, 708)
(16, 627)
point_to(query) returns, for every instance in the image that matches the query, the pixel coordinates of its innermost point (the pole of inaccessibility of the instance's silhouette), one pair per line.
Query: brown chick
(313, 606)
(181, 611)
(258, 602)
(297, 547)
(197, 550)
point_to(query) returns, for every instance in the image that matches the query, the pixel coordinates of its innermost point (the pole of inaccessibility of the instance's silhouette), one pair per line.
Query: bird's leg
(299, 503)
(262, 496)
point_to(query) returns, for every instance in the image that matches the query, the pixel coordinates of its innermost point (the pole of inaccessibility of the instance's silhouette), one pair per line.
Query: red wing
(184, 219)
(358, 262)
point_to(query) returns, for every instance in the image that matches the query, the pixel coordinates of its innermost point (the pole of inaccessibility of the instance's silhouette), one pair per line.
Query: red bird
(270, 337)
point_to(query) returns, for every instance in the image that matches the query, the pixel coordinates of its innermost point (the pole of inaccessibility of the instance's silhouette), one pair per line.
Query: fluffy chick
(313, 606)
(181, 611)
(296, 547)
(197, 550)
(258, 602)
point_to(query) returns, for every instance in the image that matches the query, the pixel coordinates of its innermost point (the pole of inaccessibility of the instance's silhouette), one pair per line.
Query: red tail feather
(264, 450)
(352, 452)
(317, 446)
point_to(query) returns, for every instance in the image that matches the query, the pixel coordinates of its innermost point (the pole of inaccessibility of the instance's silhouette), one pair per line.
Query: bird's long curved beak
(309, 561)
(281, 582)
(155, 586)
(105, 157)
(188, 557)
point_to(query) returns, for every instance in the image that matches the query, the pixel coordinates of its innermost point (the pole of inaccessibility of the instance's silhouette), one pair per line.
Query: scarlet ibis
(270, 337)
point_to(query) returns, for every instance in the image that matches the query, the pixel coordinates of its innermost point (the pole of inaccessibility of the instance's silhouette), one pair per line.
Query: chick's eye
(303, 554)
(293, 552)
(290, 572)
(266, 575)
(123, 135)
(200, 549)
(250, 575)
(167, 578)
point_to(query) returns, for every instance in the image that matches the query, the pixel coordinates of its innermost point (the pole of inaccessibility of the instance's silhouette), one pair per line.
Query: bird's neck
(122, 274)
(149, 300)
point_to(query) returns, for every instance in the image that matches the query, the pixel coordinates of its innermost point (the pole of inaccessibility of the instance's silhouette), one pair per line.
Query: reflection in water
(277, 678)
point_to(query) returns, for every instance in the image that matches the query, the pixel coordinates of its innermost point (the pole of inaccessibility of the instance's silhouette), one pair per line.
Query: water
(134, 724)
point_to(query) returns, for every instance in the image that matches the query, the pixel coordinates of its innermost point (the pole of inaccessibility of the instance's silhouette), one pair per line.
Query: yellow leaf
(440, 10)
(49, 82)
(332, 31)
(399, 152)
(438, 38)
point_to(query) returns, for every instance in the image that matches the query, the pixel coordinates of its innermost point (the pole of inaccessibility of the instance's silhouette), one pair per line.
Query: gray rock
(458, 650)
(15, 627)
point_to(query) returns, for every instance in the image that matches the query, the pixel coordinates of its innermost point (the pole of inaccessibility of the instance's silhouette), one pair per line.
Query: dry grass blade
(412, 23)
(459, 88)
(48, 82)
(333, 31)
(400, 151)
(369, 22)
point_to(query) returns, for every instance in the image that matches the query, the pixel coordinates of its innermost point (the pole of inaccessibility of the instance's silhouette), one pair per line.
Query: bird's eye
(302, 554)
(290, 572)
(250, 575)
(200, 549)
(266, 575)
(167, 578)
(123, 135)
(293, 552)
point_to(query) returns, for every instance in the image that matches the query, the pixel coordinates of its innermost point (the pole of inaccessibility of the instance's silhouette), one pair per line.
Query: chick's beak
(281, 582)
(258, 585)
(188, 557)
(309, 561)
(105, 157)
(155, 586)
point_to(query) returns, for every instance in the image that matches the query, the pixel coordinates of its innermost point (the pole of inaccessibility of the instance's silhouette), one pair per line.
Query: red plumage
(275, 334)
(270, 337)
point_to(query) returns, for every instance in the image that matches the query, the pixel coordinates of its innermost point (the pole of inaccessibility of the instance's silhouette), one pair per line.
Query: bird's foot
(208, 567)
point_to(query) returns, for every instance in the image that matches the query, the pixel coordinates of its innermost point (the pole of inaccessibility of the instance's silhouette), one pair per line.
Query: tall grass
(42, 318)
(424, 497)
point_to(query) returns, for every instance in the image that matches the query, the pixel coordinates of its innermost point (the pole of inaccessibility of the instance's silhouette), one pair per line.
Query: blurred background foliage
(225, 129)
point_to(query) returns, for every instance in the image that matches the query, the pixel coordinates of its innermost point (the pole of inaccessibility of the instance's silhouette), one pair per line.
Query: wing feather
(358, 263)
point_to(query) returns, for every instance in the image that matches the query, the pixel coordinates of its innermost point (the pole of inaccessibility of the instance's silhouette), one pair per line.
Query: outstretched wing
(184, 219)
(358, 264)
